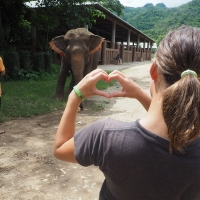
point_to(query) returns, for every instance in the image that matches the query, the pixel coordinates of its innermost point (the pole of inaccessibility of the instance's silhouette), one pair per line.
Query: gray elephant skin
(80, 51)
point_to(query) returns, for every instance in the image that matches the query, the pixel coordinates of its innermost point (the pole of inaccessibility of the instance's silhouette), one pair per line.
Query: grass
(33, 97)
(99, 105)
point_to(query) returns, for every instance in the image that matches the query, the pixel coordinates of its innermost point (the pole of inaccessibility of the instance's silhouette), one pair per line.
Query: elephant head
(80, 51)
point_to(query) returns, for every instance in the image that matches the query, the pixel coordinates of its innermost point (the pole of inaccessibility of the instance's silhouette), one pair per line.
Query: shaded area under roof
(103, 27)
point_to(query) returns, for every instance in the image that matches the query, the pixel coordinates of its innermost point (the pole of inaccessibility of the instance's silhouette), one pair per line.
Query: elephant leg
(64, 70)
(71, 85)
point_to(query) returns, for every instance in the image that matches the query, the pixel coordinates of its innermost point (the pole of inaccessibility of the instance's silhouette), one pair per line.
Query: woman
(2, 68)
(158, 156)
(2, 72)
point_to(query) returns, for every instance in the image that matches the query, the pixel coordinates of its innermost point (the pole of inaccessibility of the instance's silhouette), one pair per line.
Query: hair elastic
(186, 72)
(78, 93)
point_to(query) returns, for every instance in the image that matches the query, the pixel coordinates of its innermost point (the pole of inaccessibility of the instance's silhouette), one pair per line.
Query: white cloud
(141, 3)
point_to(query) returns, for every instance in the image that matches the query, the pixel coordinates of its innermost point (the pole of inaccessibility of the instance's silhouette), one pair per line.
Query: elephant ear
(95, 43)
(58, 44)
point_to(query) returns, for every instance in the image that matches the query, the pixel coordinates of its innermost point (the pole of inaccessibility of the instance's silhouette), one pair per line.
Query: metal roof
(104, 27)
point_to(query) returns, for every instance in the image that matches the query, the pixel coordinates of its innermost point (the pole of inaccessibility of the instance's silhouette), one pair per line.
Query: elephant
(80, 51)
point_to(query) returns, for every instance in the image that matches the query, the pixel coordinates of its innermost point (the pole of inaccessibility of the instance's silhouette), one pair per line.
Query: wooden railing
(127, 56)
(148, 55)
(111, 54)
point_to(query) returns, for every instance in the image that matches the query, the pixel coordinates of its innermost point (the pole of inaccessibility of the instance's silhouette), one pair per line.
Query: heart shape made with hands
(129, 87)
(127, 84)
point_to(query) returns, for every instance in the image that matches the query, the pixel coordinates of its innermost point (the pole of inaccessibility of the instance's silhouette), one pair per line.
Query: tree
(160, 37)
(113, 6)
(54, 17)
(148, 5)
(12, 18)
(161, 5)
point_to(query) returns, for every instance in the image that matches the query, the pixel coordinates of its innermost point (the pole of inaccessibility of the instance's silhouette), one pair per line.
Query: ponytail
(181, 111)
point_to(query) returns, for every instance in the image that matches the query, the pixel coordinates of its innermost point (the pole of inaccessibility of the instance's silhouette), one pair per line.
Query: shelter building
(122, 40)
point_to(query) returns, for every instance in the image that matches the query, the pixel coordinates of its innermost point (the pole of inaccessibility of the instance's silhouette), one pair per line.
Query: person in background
(158, 156)
(2, 67)
(2, 72)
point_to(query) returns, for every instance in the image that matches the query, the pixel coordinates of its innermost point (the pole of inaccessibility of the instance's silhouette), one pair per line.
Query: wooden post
(128, 39)
(122, 51)
(113, 35)
(104, 44)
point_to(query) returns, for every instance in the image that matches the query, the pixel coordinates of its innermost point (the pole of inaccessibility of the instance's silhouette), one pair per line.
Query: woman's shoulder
(114, 124)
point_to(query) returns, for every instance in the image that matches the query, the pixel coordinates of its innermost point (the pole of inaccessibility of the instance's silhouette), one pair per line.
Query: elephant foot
(81, 106)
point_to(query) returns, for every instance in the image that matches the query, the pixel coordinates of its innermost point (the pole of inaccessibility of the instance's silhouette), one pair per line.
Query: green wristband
(78, 93)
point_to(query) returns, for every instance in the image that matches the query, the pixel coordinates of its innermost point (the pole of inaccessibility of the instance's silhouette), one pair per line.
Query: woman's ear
(153, 72)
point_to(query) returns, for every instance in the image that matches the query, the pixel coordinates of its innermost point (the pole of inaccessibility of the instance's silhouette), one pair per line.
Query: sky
(141, 3)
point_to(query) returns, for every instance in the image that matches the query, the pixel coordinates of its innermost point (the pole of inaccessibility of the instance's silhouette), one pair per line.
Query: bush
(38, 62)
(28, 75)
(25, 62)
(47, 61)
(20, 67)
(12, 64)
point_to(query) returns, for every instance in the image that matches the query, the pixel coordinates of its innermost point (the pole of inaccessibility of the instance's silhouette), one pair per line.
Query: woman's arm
(64, 141)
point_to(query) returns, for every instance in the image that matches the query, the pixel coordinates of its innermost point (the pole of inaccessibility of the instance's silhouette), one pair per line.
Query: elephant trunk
(77, 65)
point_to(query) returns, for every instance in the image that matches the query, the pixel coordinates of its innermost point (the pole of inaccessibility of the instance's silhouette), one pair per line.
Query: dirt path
(28, 169)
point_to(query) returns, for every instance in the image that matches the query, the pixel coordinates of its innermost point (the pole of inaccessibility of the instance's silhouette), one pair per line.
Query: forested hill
(156, 21)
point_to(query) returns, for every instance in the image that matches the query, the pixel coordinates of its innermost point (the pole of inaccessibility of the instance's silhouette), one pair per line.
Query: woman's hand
(129, 89)
(87, 85)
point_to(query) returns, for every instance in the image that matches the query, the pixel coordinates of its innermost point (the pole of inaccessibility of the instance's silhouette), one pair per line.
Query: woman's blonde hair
(177, 52)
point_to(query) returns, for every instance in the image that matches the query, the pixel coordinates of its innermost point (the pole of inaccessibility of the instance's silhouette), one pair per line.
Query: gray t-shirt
(137, 164)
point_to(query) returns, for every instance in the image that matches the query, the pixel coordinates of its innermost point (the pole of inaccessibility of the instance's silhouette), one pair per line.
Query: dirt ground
(28, 168)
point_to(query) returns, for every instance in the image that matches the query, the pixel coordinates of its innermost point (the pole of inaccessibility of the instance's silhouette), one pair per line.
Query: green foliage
(19, 66)
(33, 97)
(160, 37)
(156, 21)
(38, 62)
(102, 85)
(1, 38)
(74, 13)
(47, 61)
(161, 5)
(148, 5)
(12, 14)
(112, 5)
(29, 98)
(12, 64)
(28, 75)
(25, 62)
(99, 105)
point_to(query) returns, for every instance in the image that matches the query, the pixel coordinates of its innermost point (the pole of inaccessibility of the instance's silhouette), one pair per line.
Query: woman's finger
(117, 72)
(101, 75)
(118, 77)
(102, 93)
(96, 71)
(117, 94)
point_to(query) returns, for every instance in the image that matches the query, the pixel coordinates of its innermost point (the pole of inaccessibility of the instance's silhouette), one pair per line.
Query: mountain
(156, 21)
